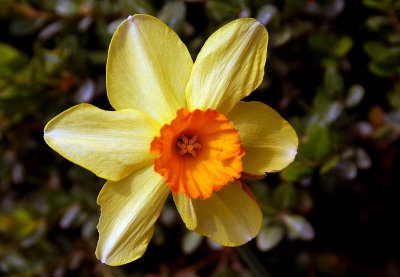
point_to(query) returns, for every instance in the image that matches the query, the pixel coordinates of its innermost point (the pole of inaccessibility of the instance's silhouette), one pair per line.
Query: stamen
(185, 145)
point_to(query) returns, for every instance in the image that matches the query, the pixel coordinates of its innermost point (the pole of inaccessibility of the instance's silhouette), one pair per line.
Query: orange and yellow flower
(177, 127)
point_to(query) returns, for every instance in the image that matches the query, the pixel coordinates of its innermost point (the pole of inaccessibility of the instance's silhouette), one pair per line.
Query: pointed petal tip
(103, 260)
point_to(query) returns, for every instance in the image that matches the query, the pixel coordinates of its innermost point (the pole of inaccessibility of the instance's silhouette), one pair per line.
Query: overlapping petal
(148, 68)
(129, 209)
(229, 66)
(230, 216)
(111, 144)
(269, 141)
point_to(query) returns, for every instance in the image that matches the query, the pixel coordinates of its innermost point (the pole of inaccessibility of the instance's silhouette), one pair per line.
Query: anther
(185, 145)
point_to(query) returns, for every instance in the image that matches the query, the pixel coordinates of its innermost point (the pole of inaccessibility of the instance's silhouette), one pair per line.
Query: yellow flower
(177, 126)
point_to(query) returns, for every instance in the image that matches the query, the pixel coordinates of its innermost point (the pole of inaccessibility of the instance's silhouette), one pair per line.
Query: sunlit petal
(129, 209)
(230, 216)
(229, 66)
(111, 144)
(186, 210)
(148, 68)
(269, 141)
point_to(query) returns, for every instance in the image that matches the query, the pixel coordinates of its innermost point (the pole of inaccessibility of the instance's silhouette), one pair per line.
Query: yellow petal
(129, 209)
(186, 210)
(111, 144)
(230, 216)
(148, 68)
(269, 141)
(229, 66)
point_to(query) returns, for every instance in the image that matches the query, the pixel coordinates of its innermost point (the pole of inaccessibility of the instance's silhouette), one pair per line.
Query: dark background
(333, 71)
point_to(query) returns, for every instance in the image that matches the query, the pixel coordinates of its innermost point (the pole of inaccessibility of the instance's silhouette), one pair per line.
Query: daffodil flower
(177, 127)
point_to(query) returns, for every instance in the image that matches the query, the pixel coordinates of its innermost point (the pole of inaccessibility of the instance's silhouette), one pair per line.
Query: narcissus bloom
(177, 127)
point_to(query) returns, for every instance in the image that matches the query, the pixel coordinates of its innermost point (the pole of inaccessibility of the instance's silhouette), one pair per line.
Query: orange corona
(198, 152)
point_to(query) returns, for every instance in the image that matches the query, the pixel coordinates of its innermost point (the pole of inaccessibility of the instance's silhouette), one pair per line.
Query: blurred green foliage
(333, 71)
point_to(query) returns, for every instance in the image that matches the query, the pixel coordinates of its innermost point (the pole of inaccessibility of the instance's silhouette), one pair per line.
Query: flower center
(202, 163)
(187, 146)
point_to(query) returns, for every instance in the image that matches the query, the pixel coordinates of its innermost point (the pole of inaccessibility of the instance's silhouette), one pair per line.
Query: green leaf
(376, 50)
(322, 41)
(298, 227)
(343, 46)
(319, 144)
(329, 164)
(354, 96)
(377, 23)
(269, 236)
(8, 53)
(173, 14)
(267, 13)
(394, 97)
(138, 6)
(190, 242)
(333, 81)
(382, 69)
(26, 26)
(297, 170)
(220, 10)
(280, 36)
(285, 196)
(381, 5)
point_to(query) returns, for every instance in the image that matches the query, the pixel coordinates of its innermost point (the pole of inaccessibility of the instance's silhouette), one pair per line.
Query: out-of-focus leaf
(347, 169)
(285, 196)
(376, 49)
(333, 8)
(267, 13)
(343, 46)
(322, 41)
(89, 228)
(330, 43)
(190, 242)
(5, 8)
(26, 26)
(377, 4)
(85, 91)
(394, 97)
(295, 6)
(221, 10)
(376, 23)
(354, 96)
(85, 23)
(298, 227)
(214, 245)
(69, 215)
(51, 30)
(329, 164)
(8, 53)
(173, 14)
(269, 237)
(138, 6)
(363, 161)
(394, 38)
(330, 112)
(66, 8)
(333, 81)
(281, 36)
(318, 144)
(382, 69)
(297, 170)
